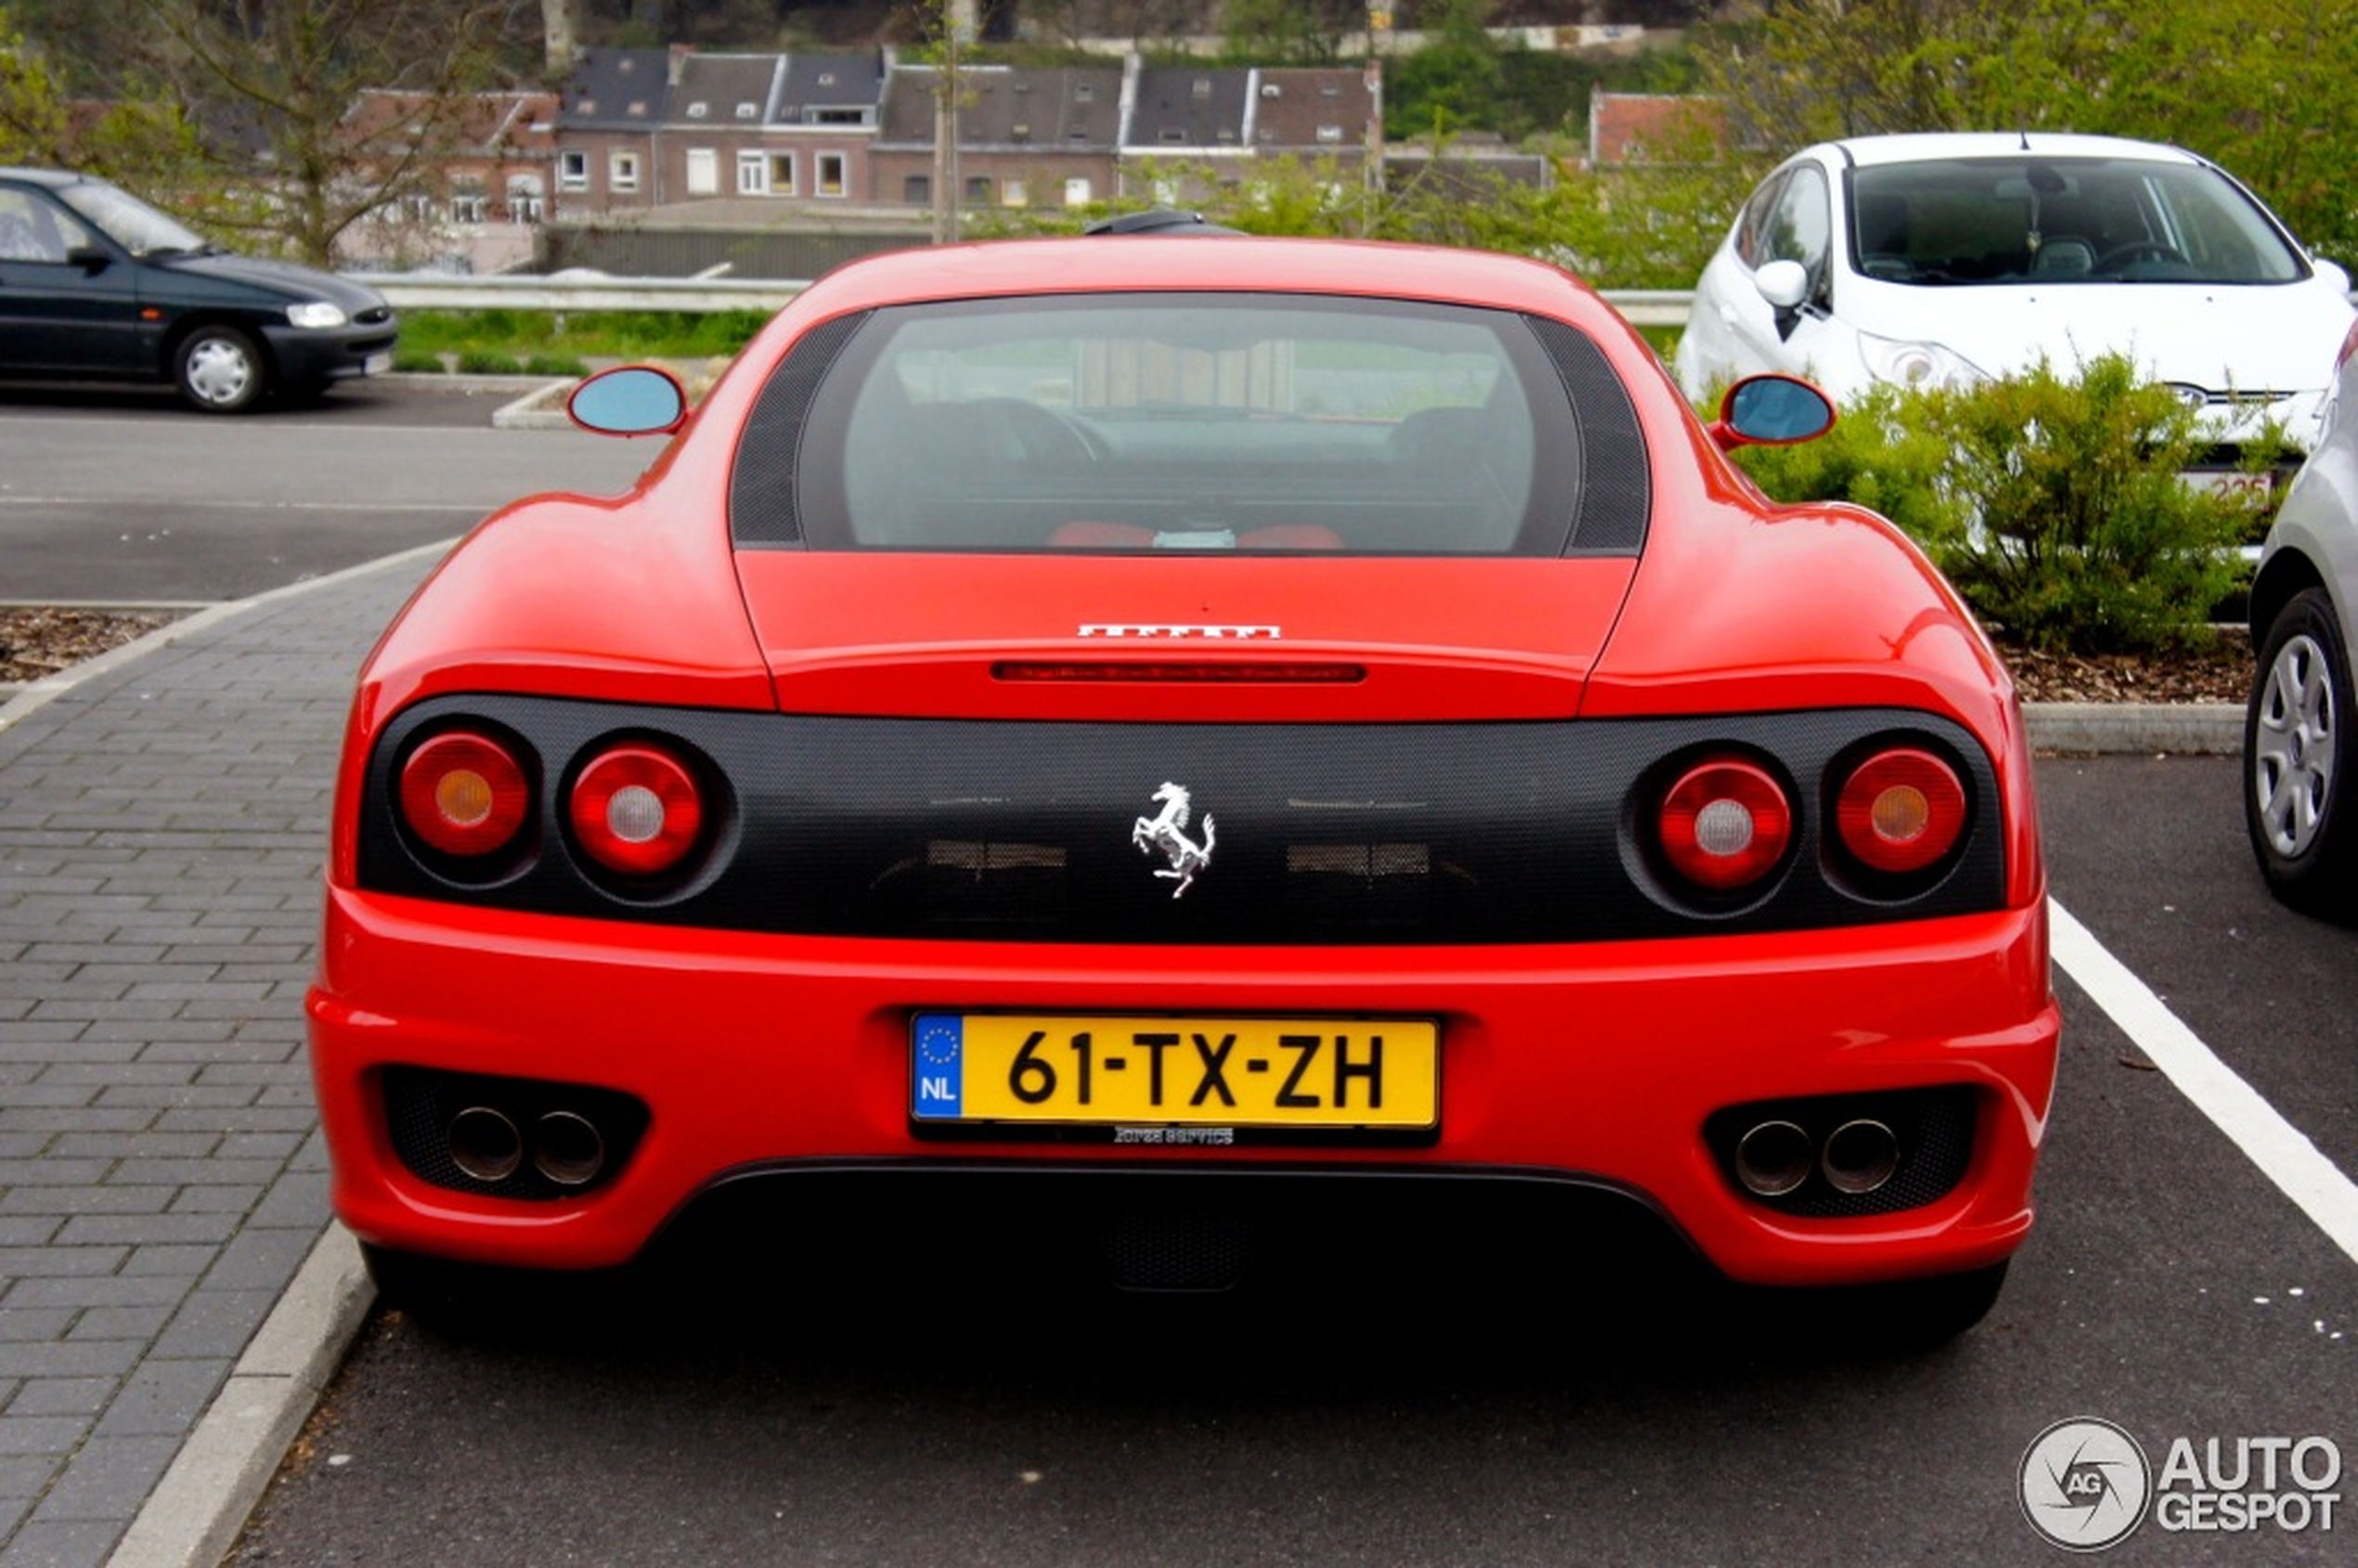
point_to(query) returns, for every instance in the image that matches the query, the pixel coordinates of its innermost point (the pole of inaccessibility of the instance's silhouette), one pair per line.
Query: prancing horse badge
(1167, 831)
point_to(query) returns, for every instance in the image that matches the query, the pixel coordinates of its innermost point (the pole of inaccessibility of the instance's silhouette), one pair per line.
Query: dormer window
(1330, 90)
(1084, 92)
(749, 111)
(1174, 137)
(638, 109)
(1330, 133)
(698, 110)
(1202, 88)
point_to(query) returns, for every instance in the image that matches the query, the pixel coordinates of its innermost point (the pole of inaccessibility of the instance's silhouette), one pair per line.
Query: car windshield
(1192, 422)
(130, 222)
(2022, 219)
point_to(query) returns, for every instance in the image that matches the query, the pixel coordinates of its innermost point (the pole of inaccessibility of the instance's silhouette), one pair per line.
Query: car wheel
(221, 370)
(2297, 749)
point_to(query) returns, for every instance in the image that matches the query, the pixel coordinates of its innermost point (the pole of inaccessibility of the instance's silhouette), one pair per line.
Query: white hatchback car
(1946, 259)
(2299, 749)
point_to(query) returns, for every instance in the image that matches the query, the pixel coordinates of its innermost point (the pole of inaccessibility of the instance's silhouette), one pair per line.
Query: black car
(96, 284)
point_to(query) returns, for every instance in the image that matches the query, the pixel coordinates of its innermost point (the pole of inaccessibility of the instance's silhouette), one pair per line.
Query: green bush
(2054, 502)
(554, 364)
(488, 362)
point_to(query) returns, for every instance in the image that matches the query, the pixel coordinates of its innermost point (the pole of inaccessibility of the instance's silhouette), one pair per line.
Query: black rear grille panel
(1324, 834)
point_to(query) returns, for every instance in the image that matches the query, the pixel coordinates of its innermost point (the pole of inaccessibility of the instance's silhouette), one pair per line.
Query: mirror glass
(629, 400)
(1770, 408)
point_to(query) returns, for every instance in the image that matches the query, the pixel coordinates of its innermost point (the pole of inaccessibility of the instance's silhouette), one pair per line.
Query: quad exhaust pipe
(566, 1147)
(1775, 1158)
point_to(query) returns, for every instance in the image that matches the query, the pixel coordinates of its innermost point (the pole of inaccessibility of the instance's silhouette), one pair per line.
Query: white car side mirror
(2332, 273)
(1784, 284)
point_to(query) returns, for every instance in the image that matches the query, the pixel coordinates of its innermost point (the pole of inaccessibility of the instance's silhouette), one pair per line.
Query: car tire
(221, 370)
(2298, 754)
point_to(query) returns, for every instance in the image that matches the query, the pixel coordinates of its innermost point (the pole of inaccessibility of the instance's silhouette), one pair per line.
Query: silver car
(2298, 744)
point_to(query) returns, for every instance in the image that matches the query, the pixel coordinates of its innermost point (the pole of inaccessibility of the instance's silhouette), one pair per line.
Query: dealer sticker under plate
(1134, 1071)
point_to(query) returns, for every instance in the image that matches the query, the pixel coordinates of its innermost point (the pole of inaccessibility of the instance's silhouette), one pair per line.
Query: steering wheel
(1044, 436)
(2156, 249)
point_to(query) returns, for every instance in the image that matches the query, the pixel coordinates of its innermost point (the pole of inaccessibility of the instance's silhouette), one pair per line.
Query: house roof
(724, 90)
(1182, 107)
(614, 90)
(817, 83)
(1311, 106)
(1624, 126)
(1075, 109)
(512, 123)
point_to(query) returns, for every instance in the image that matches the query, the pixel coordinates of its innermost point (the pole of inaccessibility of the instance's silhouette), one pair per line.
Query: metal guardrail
(413, 291)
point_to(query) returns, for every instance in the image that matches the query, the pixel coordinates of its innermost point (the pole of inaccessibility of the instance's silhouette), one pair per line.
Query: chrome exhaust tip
(1774, 1159)
(485, 1144)
(1860, 1157)
(568, 1148)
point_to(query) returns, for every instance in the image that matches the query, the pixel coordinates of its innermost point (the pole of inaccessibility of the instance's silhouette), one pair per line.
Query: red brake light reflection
(464, 794)
(637, 810)
(1725, 824)
(1901, 811)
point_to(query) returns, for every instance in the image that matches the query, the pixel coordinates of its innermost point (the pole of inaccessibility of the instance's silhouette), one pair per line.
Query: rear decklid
(1181, 637)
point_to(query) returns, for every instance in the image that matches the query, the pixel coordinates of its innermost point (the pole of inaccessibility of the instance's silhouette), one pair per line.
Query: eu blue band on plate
(942, 1044)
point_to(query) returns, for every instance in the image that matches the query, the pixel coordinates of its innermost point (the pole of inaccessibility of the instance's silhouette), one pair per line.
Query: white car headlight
(1917, 364)
(316, 313)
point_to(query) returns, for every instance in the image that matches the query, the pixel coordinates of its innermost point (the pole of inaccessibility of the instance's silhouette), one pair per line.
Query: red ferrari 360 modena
(1173, 748)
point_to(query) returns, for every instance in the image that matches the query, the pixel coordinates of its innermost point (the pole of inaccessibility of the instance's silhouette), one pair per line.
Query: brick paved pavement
(161, 825)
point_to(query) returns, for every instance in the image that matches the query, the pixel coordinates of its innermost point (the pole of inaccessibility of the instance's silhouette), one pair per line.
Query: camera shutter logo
(2084, 1484)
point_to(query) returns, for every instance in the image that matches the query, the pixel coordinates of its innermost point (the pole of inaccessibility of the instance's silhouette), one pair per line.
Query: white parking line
(2282, 1151)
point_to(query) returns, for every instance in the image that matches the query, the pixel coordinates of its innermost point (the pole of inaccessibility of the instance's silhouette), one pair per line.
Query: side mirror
(629, 400)
(1784, 284)
(91, 259)
(1771, 410)
(2332, 273)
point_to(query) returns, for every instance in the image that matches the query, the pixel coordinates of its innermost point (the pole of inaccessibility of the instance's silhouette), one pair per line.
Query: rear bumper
(1586, 1066)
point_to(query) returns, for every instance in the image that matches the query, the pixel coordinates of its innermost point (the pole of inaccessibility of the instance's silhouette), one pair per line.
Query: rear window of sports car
(1143, 423)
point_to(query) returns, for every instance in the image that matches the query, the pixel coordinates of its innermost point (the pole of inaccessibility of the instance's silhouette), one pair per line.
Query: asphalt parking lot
(2195, 1276)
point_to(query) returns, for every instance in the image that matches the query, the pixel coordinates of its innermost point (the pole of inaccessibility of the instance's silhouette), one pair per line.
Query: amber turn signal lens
(1901, 811)
(464, 794)
(1725, 824)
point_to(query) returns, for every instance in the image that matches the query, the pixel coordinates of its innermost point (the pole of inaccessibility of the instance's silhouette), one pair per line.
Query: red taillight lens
(1725, 824)
(2349, 348)
(464, 794)
(1901, 811)
(637, 810)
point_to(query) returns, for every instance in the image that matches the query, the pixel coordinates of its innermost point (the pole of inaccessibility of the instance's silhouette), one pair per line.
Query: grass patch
(507, 341)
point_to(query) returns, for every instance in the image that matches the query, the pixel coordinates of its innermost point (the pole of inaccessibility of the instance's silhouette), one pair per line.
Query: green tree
(290, 71)
(141, 142)
(2258, 87)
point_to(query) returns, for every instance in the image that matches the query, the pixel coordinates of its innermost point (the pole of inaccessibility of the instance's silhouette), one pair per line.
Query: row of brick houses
(645, 128)
(751, 140)
(632, 130)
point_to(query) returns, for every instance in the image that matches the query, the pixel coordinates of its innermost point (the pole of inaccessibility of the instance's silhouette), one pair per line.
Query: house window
(524, 200)
(979, 190)
(1012, 193)
(468, 203)
(622, 171)
(704, 172)
(420, 208)
(830, 174)
(699, 110)
(917, 190)
(782, 173)
(572, 171)
(1330, 134)
(1078, 193)
(749, 111)
(753, 174)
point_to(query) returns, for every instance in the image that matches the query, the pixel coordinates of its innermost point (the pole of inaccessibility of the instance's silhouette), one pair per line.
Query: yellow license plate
(1176, 1071)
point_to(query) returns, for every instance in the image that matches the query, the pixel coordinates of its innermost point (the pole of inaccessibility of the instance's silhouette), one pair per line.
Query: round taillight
(637, 810)
(464, 794)
(1725, 824)
(1901, 811)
